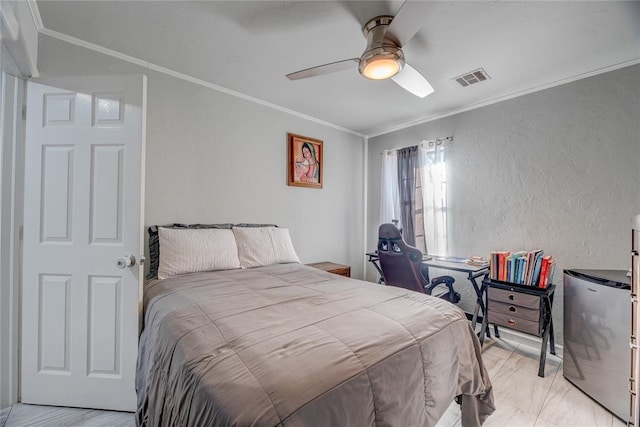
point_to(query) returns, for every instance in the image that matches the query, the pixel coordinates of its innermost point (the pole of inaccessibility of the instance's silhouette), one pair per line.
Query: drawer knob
(512, 297)
(512, 309)
(511, 321)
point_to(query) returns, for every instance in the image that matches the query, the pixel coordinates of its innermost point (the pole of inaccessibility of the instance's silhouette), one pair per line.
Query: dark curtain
(407, 166)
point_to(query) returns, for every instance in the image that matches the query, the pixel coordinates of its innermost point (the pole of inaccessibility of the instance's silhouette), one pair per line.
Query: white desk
(474, 272)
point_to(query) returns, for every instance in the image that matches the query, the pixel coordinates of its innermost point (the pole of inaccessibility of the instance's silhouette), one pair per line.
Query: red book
(502, 265)
(545, 269)
(550, 270)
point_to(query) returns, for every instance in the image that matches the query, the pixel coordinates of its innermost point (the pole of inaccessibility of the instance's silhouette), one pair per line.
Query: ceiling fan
(383, 57)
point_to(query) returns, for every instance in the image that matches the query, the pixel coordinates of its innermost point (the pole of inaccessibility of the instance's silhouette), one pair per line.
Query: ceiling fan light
(381, 63)
(381, 68)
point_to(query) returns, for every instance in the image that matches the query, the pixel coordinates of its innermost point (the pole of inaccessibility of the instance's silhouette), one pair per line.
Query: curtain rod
(428, 142)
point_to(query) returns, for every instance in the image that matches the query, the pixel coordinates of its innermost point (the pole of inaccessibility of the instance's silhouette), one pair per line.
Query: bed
(289, 345)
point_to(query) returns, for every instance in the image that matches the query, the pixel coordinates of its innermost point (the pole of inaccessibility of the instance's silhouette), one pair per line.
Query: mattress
(290, 345)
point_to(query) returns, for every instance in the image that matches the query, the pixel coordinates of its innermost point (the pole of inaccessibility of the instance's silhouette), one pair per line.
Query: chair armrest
(451, 296)
(448, 280)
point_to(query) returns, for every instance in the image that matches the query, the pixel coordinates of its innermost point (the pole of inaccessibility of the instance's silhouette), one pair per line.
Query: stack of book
(531, 268)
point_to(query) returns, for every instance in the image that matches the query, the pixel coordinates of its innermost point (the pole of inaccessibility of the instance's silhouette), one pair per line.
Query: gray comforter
(289, 345)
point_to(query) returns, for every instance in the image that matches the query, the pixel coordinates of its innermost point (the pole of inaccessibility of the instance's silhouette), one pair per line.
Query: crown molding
(37, 19)
(35, 13)
(10, 20)
(173, 73)
(20, 37)
(581, 76)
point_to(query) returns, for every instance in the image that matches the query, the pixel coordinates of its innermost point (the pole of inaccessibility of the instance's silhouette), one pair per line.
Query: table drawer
(343, 271)
(516, 323)
(526, 313)
(332, 267)
(514, 297)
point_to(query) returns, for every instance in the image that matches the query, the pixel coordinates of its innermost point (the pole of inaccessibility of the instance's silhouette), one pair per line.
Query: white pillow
(192, 250)
(258, 246)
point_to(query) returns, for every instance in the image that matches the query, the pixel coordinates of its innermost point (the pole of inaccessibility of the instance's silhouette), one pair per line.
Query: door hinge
(21, 233)
(24, 112)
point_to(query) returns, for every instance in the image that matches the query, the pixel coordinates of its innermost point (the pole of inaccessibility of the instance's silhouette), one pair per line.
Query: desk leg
(480, 305)
(474, 320)
(483, 327)
(551, 332)
(377, 267)
(551, 338)
(546, 339)
(496, 332)
(543, 352)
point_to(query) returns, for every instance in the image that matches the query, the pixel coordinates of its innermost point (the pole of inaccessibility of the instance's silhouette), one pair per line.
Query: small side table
(522, 308)
(332, 267)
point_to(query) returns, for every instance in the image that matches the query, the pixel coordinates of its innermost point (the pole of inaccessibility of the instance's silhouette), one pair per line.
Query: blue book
(510, 269)
(514, 268)
(536, 271)
(531, 267)
(523, 269)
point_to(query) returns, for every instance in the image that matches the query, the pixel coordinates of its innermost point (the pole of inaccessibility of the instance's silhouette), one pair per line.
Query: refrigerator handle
(634, 399)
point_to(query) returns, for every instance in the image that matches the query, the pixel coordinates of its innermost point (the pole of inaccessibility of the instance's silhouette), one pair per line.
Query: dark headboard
(154, 241)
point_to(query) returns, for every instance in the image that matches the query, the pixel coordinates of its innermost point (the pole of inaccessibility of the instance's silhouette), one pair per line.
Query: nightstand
(332, 267)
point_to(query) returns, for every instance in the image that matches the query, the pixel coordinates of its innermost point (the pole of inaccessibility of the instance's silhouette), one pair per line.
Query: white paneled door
(82, 213)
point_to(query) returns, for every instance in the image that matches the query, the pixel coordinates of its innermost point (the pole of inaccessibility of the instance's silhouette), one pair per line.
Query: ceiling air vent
(472, 77)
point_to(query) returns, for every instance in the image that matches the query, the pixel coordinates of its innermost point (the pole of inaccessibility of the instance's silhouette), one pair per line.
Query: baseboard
(519, 337)
(4, 414)
(524, 339)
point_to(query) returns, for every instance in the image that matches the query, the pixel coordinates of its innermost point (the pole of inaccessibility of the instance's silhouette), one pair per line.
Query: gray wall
(213, 158)
(558, 169)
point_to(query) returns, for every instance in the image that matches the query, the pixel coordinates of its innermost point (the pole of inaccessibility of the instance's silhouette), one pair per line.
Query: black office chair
(402, 266)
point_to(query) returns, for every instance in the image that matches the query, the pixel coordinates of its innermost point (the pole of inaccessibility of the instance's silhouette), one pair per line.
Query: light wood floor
(50, 416)
(522, 398)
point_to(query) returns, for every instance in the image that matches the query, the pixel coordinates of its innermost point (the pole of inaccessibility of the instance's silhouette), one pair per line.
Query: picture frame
(305, 161)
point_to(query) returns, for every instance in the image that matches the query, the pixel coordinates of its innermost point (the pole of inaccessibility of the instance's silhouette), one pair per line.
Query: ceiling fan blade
(411, 80)
(408, 21)
(332, 67)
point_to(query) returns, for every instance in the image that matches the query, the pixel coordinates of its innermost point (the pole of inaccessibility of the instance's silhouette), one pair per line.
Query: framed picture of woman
(305, 161)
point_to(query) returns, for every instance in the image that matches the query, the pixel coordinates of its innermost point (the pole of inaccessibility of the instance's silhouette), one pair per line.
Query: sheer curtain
(433, 177)
(389, 198)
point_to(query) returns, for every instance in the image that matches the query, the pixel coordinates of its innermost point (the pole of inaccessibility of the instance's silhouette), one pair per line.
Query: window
(414, 192)
(418, 229)
(433, 194)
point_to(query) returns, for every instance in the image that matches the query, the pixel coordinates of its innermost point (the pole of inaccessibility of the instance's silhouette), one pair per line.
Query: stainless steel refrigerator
(634, 419)
(597, 327)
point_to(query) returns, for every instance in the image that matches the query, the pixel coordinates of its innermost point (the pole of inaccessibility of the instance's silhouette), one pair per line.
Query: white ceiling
(248, 47)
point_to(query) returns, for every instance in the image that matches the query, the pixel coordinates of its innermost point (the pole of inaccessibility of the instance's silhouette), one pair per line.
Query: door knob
(125, 261)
